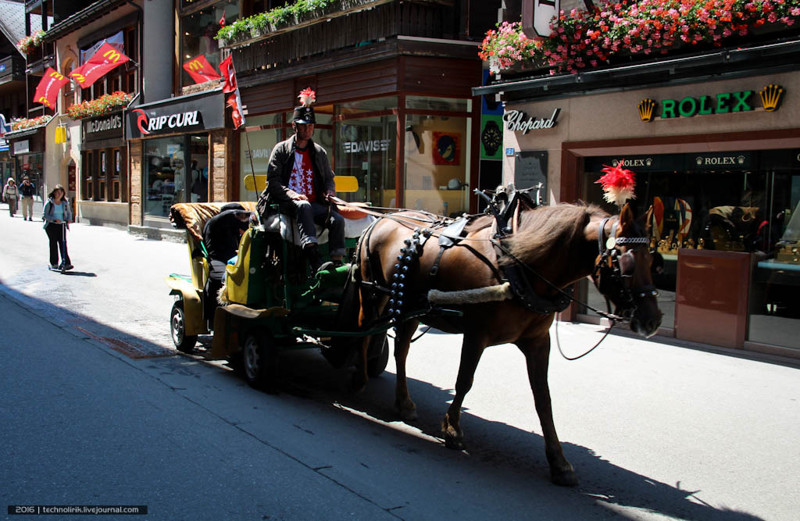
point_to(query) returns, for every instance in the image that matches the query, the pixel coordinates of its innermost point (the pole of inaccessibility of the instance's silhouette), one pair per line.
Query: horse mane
(541, 228)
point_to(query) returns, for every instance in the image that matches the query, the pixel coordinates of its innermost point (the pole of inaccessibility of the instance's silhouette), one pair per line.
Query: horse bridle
(614, 269)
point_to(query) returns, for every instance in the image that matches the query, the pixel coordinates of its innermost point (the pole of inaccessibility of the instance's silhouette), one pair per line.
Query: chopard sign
(518, 121)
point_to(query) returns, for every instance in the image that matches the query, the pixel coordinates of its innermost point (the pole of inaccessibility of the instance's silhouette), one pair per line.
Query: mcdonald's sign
(113, 55)
(200, 70)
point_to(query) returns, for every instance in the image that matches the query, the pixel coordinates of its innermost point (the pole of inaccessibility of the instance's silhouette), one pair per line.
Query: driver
(300, 180)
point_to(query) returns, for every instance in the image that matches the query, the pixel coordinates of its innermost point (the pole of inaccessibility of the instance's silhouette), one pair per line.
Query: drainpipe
(141, 47)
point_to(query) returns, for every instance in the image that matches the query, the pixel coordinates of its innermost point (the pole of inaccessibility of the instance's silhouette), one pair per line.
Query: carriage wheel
(377, 364)
(258, 359)
(177, 320)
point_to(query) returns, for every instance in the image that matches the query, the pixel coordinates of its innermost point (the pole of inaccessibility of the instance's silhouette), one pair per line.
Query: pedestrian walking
(57, 216)
(10, 195)
(26, 191)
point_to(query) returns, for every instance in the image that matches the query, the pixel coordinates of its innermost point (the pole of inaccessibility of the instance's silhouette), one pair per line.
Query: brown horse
(553, 247)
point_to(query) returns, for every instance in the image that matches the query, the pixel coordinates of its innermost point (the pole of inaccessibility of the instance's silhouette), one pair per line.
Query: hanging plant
(584, 39)
(28, 44)
(101, 106)
(23, 123)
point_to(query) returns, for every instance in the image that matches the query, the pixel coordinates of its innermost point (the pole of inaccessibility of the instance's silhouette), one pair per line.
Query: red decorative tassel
(618, 184)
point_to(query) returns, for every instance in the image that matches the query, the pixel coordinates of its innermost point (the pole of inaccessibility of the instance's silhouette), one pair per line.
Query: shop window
(265, 133)
(167, 171)
(366, 148)
(88, 177)
(116, 177)
(121, 78)
(198, 26)
(437, 156)
(733, 201)
(102, 173)
(198, 169)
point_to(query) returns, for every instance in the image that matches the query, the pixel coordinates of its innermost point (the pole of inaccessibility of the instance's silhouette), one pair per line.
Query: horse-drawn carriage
(270, 300)
(496, 278)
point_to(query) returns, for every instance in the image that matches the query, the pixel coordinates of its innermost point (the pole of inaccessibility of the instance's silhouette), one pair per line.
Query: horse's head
(622, 271)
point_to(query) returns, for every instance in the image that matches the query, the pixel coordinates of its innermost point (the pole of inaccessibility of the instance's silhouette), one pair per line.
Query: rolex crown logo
(647, 108)
(771, 96)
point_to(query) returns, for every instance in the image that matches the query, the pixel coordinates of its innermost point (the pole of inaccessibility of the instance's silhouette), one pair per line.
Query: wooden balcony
(12, 69)
(355, 31)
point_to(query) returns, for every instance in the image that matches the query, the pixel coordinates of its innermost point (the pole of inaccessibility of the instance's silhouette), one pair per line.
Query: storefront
(719, 163)
(27, 148)
(425, 143)
(179, 153)
(103, 181)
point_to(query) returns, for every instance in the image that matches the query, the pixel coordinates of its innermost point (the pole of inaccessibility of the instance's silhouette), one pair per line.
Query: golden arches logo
(112, 56)
(57, 75)
(44, 101)
(79, 77)
(771, 96)
(647, 109)
(195, 65)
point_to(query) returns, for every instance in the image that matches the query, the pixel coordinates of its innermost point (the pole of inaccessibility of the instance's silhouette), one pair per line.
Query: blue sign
(509, 151)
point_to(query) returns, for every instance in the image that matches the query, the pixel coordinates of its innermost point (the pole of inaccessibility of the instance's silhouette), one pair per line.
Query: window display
(175, 170)
(198, 29)
(727, 201)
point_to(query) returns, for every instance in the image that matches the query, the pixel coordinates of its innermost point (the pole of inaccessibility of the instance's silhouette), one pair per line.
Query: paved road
(97, 408)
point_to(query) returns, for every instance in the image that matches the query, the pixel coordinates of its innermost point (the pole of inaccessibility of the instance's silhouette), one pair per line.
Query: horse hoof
(453, 439)
(451, 442)
(565, 478)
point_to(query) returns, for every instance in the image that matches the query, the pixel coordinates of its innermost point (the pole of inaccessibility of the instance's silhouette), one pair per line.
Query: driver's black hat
(303, 116)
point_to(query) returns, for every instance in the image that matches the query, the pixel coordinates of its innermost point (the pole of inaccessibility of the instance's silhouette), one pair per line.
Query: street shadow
(80, 274)
(506, 450)
(500, 452)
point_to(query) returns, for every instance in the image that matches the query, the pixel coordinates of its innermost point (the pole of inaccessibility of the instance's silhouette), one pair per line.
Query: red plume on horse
(499, 278)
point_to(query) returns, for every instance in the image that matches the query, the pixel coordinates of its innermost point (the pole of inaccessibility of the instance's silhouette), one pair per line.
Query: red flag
(226, 67)
(106, 59)
(200, 70)
(235, 103)
(230, 86)
(47, 90)
(77, 75)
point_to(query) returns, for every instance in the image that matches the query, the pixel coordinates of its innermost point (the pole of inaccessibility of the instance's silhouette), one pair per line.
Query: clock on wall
(492, 138)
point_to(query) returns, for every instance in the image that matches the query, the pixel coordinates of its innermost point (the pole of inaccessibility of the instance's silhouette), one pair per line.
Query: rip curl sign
(189, 114)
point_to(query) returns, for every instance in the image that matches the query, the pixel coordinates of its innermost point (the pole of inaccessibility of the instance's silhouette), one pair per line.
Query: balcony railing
(372, 22)
(12, 68)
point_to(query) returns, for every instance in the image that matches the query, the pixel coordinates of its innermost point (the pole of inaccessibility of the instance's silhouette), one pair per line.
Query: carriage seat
(287, 227)
(193, 217)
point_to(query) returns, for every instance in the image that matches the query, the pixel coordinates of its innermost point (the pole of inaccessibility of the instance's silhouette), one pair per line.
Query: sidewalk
(37, 209)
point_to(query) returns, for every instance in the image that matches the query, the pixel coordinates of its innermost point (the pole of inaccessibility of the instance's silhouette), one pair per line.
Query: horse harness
(513, 273)
(614, 268)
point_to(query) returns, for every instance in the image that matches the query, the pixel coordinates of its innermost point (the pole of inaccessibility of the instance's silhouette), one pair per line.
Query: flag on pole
(106, 59)
(230, 86)
(200, 70)
(47, 90)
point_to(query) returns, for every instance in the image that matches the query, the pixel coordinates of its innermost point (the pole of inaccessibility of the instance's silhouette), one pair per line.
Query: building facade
(715, 145)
